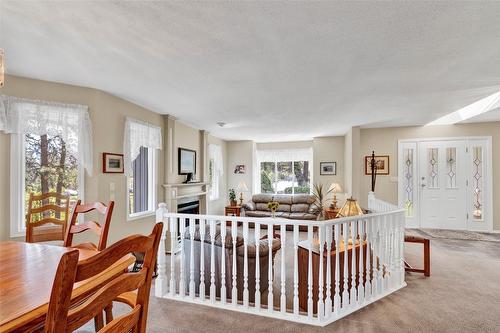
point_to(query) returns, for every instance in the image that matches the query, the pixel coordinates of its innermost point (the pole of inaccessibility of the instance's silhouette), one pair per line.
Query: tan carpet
(462, 295)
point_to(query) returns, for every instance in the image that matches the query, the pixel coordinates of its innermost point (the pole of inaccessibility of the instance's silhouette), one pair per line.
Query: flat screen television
(187, 161)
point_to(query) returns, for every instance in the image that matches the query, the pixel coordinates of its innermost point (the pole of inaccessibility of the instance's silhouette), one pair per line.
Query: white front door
(443, 184)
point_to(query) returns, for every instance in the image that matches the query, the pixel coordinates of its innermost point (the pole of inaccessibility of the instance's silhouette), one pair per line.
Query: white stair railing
(337, 266)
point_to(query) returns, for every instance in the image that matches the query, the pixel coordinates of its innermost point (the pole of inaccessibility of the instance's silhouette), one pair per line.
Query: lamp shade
(350, 208)
(242, 187)
(335, 188)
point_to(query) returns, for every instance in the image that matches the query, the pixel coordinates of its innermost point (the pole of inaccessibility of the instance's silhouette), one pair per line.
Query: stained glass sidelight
(477, 183)
(451, 167)
(408, 179)
(432, 168)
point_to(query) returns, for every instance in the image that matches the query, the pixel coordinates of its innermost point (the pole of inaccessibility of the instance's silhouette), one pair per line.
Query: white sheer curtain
(69, 121)
(139, 134)
(215, 155)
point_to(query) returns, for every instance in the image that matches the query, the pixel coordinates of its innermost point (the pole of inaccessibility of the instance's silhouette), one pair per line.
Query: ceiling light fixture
(472, 110)
(2, 68)
(221, 123)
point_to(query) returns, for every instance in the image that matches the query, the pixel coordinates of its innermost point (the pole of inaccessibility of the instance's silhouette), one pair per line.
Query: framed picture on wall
(328, 168)
(381, 162)
(112, 163)
(187, 161)
(239, 169)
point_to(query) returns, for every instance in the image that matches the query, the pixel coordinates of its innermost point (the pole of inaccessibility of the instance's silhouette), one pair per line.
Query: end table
(232, 210)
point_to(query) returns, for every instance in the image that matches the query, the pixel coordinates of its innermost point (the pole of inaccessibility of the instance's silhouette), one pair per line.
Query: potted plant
(319, 204)
(232, 197)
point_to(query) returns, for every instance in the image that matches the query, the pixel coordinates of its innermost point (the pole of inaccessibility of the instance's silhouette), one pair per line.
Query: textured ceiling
(271, 70)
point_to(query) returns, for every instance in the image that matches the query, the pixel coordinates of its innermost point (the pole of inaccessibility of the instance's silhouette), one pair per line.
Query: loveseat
(295, 207)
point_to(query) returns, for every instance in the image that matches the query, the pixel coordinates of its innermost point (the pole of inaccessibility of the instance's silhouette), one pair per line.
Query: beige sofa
(295, 207)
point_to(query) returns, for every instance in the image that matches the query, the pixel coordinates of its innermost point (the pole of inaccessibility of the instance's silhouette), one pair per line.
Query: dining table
(27, 272)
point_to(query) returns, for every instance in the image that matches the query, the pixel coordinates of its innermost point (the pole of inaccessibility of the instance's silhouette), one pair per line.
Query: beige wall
(385, 142)
(107, 114)
(4, 185)
(351, 161)
(240, 152)
(325, 149)
(329, 149)
(189, 138)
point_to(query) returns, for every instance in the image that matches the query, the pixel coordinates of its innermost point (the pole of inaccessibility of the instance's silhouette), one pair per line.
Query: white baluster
(390, 246)
(223, 291)
(380, 254)
(354, 236)
(173, 243)
(328, 301)
(245, 264)
(336, 297)
(401, 223)
(384, 253)
(234, 290)
(182, 281)
(296, 269)
(309, 274)
(192, 286)
(257, 265)
(361, 266)
(202, 258)
(321, 306)
(369, 254)
(283, 272)
(345, 291)
(213, 292)
(162, 279)
(270, 300)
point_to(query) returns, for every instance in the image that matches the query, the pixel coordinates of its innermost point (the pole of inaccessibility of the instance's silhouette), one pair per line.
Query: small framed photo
(112, 163)
(328, 168)
(381, 163)
(239, 169)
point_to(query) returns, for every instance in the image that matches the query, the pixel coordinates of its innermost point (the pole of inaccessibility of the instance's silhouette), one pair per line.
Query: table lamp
(335, 188)
(242, 187)
(350, 208)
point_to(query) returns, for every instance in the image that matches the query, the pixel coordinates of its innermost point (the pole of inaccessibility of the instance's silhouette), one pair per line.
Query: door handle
(423, 185)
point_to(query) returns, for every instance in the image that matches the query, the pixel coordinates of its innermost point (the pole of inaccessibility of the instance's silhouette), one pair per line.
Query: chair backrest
(96, 227)
(48, 208)
(60, 318)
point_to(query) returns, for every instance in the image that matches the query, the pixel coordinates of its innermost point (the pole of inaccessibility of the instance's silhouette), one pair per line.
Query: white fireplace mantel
(179, 191)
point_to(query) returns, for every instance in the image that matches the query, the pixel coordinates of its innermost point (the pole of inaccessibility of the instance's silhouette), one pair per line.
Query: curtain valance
(284, 155)
(69, 121)
(139, 134)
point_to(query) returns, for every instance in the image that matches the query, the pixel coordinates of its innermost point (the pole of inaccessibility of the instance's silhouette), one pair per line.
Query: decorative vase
(233, 203)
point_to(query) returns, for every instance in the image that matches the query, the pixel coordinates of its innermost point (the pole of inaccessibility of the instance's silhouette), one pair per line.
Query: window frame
(276, 161)
(17, 184)
(152, 180)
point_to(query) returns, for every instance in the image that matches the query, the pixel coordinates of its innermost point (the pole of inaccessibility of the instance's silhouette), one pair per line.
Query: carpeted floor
(462, 295)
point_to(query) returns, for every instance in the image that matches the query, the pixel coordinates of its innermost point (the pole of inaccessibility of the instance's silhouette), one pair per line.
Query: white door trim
(488, 181)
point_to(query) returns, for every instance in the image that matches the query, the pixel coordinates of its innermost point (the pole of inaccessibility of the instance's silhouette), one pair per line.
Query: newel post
(161, 287)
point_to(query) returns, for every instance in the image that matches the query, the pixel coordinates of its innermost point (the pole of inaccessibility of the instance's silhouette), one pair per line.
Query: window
(139, 154)
(284, 171)
(215, 170)
(141, 184)
(50, 147)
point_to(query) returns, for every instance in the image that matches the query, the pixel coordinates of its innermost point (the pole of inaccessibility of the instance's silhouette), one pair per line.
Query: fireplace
(188, 206)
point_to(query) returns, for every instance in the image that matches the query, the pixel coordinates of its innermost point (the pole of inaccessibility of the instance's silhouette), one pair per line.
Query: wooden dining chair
(47, 217)
(100, 230)
(61, 318)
